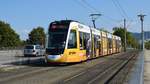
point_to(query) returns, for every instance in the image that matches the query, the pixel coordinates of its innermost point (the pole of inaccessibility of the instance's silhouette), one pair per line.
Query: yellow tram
(70, 41)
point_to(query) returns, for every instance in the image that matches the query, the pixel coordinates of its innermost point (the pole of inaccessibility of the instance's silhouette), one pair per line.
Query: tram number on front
(71, 53)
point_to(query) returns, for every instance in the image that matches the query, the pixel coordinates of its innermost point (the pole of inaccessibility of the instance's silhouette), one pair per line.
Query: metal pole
(125, 38)
(142, 30)
(94, 17)
(142, 35)
(94, 23)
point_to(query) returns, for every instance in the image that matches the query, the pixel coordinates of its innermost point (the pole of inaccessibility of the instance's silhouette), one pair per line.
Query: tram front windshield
(57, 38)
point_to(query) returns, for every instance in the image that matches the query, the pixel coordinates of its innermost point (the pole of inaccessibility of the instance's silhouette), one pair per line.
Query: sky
(24, 15)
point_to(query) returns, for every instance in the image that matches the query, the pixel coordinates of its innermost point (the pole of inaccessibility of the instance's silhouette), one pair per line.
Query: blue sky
(24, 15)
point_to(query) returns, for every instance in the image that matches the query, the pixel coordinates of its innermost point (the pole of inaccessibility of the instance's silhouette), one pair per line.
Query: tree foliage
(147, 45)
(131, 41)
(37, 36)
(8, 37)
(103, 29)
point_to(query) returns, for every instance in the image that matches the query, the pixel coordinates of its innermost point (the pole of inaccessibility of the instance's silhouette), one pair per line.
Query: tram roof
(64, 21)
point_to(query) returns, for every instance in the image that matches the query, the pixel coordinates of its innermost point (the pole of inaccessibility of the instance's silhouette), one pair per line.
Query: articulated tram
(70, 41)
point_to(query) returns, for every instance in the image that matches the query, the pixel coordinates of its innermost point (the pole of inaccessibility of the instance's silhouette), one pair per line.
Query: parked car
(33, 50)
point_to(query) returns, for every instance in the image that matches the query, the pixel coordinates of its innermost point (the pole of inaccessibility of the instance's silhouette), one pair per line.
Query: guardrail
(16, 57)
(10, 48)
(18, 52)
(8, 56)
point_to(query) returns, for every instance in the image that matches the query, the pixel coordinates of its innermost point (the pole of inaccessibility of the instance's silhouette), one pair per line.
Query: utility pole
(142, 31)
(125, 35)
(94, 23)
(94, 17)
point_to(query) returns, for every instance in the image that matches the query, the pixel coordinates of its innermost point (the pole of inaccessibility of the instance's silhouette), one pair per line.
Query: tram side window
(110, 42)
(116, 43)
(72, 43)
(98, 42)
(81, 40)
(119, 43)
(87, 42)
(86, 38)
(95, 42)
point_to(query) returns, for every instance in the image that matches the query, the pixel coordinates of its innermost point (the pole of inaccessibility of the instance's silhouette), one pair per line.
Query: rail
(105, 72)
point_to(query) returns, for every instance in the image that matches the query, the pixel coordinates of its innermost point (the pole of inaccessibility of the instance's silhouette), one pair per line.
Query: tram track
(107, 76)
(123, 75)
(91, 75)
(120, 68)
(83, 74)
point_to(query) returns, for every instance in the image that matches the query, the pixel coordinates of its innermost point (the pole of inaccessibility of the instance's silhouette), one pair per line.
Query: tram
(69, 41)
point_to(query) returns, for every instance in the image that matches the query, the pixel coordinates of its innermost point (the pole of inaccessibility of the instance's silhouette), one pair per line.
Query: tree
(37, 36)
(119, 32)
(147, 45)
(8, 37)
(131, 41)
(0, 38)
(103, 29)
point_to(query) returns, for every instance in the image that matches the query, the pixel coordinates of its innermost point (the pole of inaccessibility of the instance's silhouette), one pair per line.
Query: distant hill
(138, 35)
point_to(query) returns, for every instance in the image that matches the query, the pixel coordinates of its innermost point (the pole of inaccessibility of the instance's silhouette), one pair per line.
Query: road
(90, 72)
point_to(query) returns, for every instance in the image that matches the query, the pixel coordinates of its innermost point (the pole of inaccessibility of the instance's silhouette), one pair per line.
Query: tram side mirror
(81, 48)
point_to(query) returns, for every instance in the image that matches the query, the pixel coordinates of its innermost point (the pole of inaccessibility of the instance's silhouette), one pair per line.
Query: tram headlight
(53, 57)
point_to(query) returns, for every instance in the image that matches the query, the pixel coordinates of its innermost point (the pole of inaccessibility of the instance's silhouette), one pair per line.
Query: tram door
(100, 48)
(96, 45)
(85, 43)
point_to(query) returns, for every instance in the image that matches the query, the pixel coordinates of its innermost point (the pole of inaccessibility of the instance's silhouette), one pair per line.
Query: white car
(33, 50)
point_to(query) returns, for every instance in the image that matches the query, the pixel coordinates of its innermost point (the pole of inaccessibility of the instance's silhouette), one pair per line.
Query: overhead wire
(122, 9)
(122, 12)
(82, 5)
(118, 8)
(88, 6)
(93, 8)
